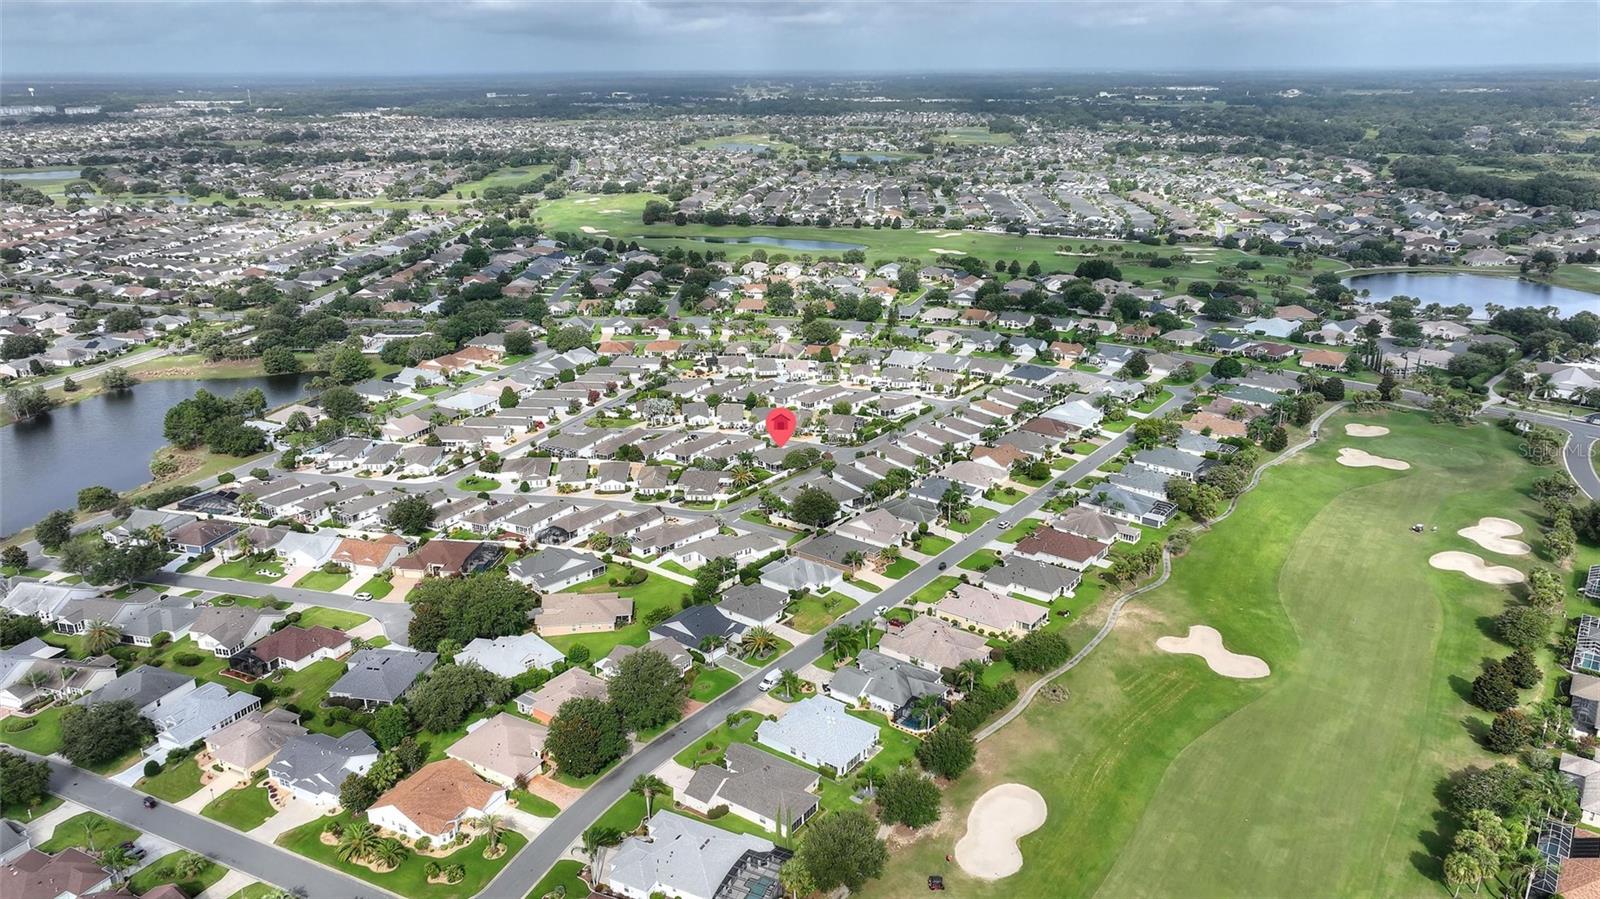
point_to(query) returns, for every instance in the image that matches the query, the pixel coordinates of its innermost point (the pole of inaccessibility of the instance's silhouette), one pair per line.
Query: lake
(106, 439)
(41, 175)
(787, 243)
(870, 157)
(1450, 288)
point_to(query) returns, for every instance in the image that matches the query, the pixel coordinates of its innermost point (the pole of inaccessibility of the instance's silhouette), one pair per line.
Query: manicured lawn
(711, 683)
(409, 879)
(1020, 530)
(982, 560)
(19, 812)
(977, 517)
(814, 613)
(325, 581)
(564, 873)
(243, 809)
(1319, 575)
(44, 737)
(378, 587)
(1151, 404)
(307, 688)
(535, 805)
(863, 585)
(338, 619)
(1005, 497)
(160, 871)
(899, 568)
(209, 667)
(933, 544)
(477, 484)
(656, 592)
(255, 891)
(936, 588)
(709, 748)
(85, 830)
(245, 570)
(176, 781)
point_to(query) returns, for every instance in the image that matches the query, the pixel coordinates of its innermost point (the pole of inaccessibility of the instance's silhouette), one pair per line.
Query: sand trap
(609, 211)
(1355, 458)
(1365, 430)
(929, 231)
(1206, 643)
(589, 229)
(1493, 534)
(943, 252)
(1000, 817)
(1476, 568)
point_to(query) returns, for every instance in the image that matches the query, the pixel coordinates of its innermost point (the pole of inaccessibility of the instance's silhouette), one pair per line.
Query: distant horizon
(378, 38)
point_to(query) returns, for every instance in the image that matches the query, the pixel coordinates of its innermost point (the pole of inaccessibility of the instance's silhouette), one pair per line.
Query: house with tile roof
(435, 801)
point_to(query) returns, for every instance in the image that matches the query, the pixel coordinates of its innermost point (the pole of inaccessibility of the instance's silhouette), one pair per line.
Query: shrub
(226, 477)
(717, 812)
(18, 725)
(424, 843)
(162, 638)
(152, 768)
(188, 659)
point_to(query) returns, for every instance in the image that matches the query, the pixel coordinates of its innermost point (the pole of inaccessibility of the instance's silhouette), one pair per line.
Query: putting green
(1165, 780)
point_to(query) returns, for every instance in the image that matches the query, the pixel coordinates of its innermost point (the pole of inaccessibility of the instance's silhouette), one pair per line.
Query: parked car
(770, 681)
(363, 595)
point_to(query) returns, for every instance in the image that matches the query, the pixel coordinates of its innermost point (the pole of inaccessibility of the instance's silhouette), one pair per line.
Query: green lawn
(1005, 496)
(160, 871)
(656, 592)
(982, 560)
(936, 588)
(626, 815)
(16, 811)
(711, 683)
(863, 585)
(1017, 532)
(409, 879)
(255, 891)
(210, 667)
(899, 568)
(1233, 789)
(564, 874)
(179, 780)
(478, 484)
(378, 587)
(933, 544)
(535, 805)
(243, 809)
(43, 738)
(338, 619)
(325, 581)
(814, 613)
(709, 748)
(307, 688)
(977, 517)
(245, 570)
(85, 830)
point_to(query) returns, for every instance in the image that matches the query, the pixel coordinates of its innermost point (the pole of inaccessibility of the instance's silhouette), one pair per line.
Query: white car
(770, 681)
(881, 611)
(363, 595)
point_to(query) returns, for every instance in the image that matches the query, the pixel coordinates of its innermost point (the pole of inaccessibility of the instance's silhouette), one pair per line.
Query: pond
(107, 439)
(1451, 288)
(788, 243)
(41, 175)
(870, 157)
(741, 147)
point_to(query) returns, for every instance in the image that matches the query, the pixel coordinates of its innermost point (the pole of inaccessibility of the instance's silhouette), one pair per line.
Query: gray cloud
(519, 36)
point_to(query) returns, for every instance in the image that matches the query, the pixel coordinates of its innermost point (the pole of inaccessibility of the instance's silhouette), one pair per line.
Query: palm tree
(358, 841)
(595, 841)
(843, 641)
(190, 865)
(100, 637)
(743, 476)
(866, 634)
(37, 678)
(889, 554)
(789, 682)
(116, 860)
(928, 709)
(390, 853)
(759, 642)
(970, 670)
(243, 545)
(91, 826)
(493, 827)
(854, 559)
(648, 785)
(712, 642)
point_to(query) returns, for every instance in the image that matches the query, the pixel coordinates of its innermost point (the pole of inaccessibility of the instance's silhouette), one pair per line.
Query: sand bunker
(1365, 430)
(1355, 458)
(589, 229)
(943, 252)
(1476, 568)
(1000, 817)
(1494, 535)
(609, 211)
(1206, 643)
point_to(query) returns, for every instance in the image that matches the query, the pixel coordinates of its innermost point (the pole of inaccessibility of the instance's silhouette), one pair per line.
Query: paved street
(531, 864)
(393, 616)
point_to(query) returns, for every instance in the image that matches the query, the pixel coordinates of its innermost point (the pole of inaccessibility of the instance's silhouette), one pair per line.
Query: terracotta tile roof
(370, 553)
(438, 794)
(294, 643)
(1049, 541)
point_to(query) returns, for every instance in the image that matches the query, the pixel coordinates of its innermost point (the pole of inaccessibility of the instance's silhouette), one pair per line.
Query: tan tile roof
(438, 794)
(505, 744)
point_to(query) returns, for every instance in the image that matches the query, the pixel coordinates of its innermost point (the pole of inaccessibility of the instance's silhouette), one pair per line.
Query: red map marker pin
(780, 425)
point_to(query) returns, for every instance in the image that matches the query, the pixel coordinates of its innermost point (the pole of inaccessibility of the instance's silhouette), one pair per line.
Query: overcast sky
(273, 37)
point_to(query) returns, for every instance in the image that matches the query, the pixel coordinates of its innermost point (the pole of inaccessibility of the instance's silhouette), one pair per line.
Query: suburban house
(991, 613)
(247, 745)
(150, 689)
(696, 625)
(793, 573)
(574, 683)
(377, 677)
(672, 649)
(509, 656)
(754, 605)
(1060, 548)
(502, 749)
(199, 713)
(224, 631)
(687, 859)
(197, 538)
(313, 766)
(757, 786)
(31, 671)
(448, 558)
(582, 613)
(69, 874)
(556, 568)
(365, 558)
(1584, 775)
(291, 647)
(819, 731)
(933, 644)
(885, 683)
(1035, 580)
(435, 801)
